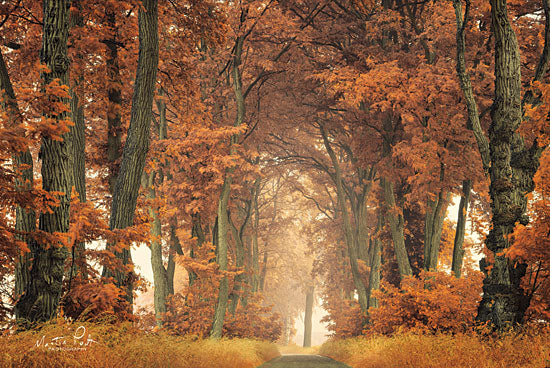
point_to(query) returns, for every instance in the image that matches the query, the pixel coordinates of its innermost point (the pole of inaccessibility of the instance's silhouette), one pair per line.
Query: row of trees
(248, 142)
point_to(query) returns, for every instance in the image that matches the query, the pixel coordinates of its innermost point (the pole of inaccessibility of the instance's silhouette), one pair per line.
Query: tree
(137, 142)
(511, 164)
(42, 291)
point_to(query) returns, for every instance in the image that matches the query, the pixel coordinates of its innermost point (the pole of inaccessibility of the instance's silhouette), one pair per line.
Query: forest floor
(528, 349)
(303, 361)
(122, 345)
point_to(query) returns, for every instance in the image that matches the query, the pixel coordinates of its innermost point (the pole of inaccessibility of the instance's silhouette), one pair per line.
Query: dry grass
(295, 349)
(530, 350)
(121, 346)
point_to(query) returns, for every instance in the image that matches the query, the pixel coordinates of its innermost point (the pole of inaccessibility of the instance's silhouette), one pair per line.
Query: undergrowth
(122, 345)
(528, 349)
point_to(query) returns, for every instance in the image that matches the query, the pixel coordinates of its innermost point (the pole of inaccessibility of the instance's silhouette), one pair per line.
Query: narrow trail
(303, 361)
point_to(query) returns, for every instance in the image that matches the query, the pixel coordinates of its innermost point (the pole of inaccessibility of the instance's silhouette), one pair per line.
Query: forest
(382, 161)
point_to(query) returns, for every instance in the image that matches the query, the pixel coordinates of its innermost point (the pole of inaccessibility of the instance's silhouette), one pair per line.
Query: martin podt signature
(79, 341)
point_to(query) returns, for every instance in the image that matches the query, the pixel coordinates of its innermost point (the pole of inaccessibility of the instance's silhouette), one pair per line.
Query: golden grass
(530, 350)
(121, 346)
(295, 349)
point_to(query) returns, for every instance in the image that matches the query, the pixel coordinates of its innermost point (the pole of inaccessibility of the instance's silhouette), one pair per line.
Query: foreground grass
(409, 350)
(124, 346)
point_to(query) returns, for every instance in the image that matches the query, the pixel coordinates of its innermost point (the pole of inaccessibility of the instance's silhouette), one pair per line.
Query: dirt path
(303, 361)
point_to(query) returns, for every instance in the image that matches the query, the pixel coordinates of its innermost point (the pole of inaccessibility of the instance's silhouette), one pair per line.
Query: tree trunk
(263, 273)
(114, 98)
(239, 258)
(504, 301)
(221, 259)
(458, 249)
(308, 317)
(396, 227)
(196, 232)
(137, 143)
(223, 225)
(432, 231)
(42, 292)
(375, 262)
(351, 238)
(25, 219)
(160, 274)
(78, 260)
(255, 249)
(79, 176)
(285, 339)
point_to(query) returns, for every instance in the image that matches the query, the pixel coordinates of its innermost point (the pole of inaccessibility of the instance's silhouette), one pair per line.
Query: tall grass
(529, 350)
(122, 345)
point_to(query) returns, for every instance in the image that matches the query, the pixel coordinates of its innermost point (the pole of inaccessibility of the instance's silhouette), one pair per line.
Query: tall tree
(510, 164)
(137, 142)
(42, 291)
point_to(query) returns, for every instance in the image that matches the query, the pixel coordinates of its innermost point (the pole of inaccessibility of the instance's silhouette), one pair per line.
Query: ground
(303, 361)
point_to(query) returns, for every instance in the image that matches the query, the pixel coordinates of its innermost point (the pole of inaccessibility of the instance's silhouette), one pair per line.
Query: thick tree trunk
(308, 317)
(25, 219)
(42, 292)
(504, 301)
(510, 165)
(137, 143)
(78, 155)
(79, 176)
(458, 249)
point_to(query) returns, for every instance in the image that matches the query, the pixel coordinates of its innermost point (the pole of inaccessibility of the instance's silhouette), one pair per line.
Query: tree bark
(78, 156)
(42, 291)
(25, 219)
(137, 143)
(504, 301)
(114, 99)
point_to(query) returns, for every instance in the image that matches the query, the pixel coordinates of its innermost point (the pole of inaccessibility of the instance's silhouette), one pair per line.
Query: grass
(123, 345)
(529, 350)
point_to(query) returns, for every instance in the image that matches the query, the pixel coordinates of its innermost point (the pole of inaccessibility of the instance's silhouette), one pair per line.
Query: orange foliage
(91, 300)
(435, 301)
(254, 321)
(532, 245)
